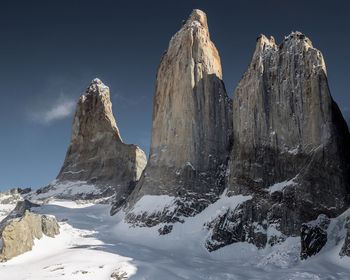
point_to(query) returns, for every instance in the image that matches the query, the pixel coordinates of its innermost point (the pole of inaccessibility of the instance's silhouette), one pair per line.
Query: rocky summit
(260, 181)
(291, 146)
(191, 130)
(97, 163)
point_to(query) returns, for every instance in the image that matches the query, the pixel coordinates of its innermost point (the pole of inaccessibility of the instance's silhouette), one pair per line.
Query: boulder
(49, 226)
(20, 229)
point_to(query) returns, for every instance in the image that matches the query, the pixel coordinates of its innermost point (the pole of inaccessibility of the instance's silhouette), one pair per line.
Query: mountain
(291, 146)
(191, 131)
(286, 141)
(98, 164)
(257, 187)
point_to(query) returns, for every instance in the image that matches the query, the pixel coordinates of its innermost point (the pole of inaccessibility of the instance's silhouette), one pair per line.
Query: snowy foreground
(93, 245)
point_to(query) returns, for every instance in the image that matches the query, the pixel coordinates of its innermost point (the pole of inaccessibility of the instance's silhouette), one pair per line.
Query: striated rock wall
(191, 116)
(287, 132)
(283, 112)
(191, 133)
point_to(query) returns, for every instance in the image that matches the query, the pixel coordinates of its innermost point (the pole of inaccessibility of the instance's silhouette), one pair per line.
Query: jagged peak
(263, 41)
(197, 17)
(97, 86)
(299, 36)
(96, 101)
(295, 40)
(263, 44)
(96, 81)
(298, 40)
(195, 26)
(295, 37)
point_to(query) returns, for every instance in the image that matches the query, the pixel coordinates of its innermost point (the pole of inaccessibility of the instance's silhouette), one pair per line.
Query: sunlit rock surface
(291, 145)
(192, 124)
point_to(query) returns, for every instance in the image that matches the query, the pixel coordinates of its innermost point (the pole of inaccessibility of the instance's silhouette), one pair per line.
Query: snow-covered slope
(94, 245)
(8, 200)
(73, 190)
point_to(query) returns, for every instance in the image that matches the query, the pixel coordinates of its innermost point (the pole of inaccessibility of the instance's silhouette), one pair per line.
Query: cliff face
(96, 154)
(291, 145)
(191, 119)
(192, 122)
(283, 101)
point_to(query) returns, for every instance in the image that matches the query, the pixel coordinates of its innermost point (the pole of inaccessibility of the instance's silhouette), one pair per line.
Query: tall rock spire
(96, 154)
(283, 112)
(190, 118)
(291, 145)
(192, 122)
(283, 100)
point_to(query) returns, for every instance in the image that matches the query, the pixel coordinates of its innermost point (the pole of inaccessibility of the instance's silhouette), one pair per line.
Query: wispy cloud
(62, 108)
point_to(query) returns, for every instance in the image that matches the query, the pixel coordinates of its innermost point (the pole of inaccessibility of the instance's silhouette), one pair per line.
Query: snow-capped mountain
(257, 187)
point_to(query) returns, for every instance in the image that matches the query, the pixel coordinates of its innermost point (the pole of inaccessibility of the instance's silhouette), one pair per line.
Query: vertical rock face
(283, 101)
(191, 119)
(191, 132)
(96, 154)
(345, 250)
(291, 143)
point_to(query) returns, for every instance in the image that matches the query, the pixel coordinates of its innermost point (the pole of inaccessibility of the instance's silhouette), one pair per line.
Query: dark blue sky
(51, 50)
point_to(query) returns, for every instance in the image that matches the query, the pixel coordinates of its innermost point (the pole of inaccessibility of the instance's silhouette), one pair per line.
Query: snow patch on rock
(278, 187)
(153, 204)
(67, 189)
